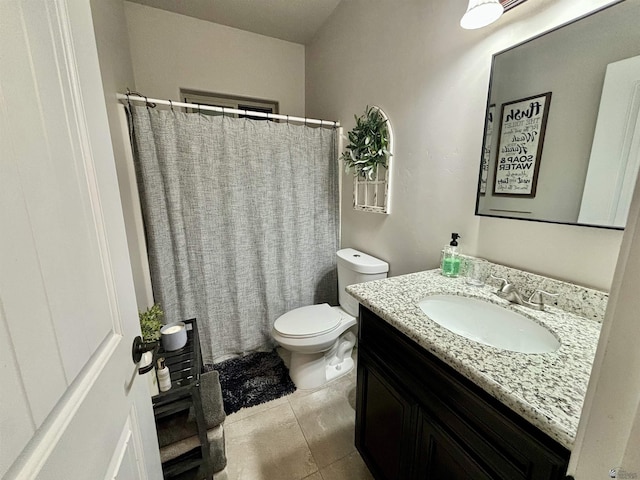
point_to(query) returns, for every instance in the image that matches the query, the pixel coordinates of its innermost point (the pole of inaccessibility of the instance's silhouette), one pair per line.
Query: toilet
(321, 337)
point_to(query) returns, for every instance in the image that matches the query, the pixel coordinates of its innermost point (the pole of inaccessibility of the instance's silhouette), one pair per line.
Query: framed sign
(520, 141)
(486, 154)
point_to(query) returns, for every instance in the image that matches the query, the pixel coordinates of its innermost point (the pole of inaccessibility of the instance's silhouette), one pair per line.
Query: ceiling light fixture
(481, 13)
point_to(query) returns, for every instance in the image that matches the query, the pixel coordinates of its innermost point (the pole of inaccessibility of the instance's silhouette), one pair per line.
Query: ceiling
(292, 20)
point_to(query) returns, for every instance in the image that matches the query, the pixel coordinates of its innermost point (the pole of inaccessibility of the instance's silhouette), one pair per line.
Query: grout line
(304, 436)
(306, 441)
(327, 387)
(342, 458)
(312, 474)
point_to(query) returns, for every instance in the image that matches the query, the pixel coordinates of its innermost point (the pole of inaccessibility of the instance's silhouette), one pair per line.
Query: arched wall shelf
(374, 195)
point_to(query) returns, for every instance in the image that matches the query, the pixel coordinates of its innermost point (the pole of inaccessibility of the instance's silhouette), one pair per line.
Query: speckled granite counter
(546, 389)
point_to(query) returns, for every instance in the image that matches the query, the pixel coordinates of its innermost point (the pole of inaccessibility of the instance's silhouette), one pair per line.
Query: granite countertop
(546, 389)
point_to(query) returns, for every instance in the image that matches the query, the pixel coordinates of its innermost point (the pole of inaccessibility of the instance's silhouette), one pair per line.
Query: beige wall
(157, 53)
(171, 51)
(112, 40)
(609, 429)
(531, 69)
(433, 84)
(431, 77)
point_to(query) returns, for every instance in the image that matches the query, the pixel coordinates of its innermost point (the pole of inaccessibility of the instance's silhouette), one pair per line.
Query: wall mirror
(562, 130)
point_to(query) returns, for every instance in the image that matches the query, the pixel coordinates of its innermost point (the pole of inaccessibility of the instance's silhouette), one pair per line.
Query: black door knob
(140, 347)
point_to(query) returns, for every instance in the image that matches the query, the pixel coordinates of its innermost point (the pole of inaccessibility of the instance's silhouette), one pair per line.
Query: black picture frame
(522, 127)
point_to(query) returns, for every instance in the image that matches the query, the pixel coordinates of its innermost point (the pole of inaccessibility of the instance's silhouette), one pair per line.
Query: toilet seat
(309, 321)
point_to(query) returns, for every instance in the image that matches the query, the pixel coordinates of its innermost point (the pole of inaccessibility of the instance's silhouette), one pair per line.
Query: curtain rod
(138, 98)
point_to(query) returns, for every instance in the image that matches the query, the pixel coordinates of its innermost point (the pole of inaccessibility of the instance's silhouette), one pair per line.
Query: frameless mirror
(562, 130)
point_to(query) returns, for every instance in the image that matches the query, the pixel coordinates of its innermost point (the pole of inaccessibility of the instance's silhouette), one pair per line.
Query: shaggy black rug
(252, 379)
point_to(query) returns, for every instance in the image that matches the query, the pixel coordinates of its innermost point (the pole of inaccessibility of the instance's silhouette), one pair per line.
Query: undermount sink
(489, 324)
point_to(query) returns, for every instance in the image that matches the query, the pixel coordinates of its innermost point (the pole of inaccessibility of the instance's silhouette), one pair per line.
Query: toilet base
(336, 371)
(312, 370)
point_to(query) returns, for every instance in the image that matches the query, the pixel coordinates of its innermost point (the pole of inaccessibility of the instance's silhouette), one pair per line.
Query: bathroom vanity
(432, 404)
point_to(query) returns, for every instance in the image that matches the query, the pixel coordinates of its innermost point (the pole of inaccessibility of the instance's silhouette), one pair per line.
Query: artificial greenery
(368, 144)
(151, 322)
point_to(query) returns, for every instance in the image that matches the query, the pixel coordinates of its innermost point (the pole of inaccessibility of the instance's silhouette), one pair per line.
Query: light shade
(481, 13)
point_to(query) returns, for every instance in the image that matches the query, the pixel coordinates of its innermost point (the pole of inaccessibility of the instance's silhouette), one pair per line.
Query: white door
(615, 153)
(72, 404)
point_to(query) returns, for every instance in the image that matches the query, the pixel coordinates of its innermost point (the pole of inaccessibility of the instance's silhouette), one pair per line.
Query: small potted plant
(368, 144)
(151, 322)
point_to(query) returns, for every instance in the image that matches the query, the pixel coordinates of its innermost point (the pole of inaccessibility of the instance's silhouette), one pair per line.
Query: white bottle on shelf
(164, 376)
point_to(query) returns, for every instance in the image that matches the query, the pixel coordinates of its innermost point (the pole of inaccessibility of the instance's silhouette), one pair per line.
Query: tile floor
(306, 435)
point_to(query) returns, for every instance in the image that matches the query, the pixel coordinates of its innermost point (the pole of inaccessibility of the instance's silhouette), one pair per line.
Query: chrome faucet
(510, 293)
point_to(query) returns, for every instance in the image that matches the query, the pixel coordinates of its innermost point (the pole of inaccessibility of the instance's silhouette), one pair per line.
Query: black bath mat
(253, 379)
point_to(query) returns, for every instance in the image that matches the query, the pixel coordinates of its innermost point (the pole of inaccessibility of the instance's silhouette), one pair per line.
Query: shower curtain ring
(287, 119)
(171, 104)
(222, 112)
(148, 104)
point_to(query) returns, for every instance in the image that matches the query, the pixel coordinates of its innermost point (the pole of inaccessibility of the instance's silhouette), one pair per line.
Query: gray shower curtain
(241, 219)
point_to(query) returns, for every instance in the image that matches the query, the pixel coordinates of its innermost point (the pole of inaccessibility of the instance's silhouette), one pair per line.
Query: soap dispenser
(450, 266)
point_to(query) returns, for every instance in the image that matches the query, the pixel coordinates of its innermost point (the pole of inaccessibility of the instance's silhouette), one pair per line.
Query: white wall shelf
(373, 195)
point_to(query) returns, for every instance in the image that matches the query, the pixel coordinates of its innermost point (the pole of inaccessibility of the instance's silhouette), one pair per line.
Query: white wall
(431, 77)
(171, 51)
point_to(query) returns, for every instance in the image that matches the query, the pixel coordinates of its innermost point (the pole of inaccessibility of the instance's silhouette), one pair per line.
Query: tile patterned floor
(306, 435)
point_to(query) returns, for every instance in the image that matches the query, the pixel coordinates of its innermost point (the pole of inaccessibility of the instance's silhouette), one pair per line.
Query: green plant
(368, 143)
(151, 322)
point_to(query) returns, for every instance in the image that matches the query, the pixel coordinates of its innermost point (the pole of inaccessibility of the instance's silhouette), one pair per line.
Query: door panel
(73, 404)
(384, 423)
(58, 194)
(123, 463)
(22, 291)
(13, 399)
(615, 153)
(439, 456)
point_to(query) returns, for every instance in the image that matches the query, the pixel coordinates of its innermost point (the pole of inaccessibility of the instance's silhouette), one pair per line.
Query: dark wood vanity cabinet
(384, 422)
(417, 418)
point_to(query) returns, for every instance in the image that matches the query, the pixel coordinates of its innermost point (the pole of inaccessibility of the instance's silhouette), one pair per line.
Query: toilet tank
(356, 267)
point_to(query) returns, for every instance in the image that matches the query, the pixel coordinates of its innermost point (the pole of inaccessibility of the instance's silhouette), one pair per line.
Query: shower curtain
(241, 219)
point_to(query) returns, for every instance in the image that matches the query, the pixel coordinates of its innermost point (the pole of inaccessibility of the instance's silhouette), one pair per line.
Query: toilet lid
(307, 321)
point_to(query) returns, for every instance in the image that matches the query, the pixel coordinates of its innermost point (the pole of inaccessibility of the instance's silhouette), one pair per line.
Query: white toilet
(320, 337)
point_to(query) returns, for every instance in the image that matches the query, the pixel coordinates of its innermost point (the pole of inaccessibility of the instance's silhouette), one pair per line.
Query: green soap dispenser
(450, 266)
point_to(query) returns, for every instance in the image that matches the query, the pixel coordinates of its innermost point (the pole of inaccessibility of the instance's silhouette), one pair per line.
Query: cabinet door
(384, 429)
(439, 456)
